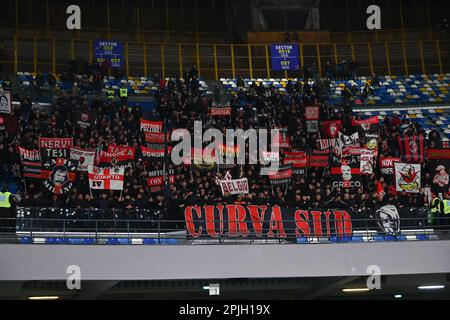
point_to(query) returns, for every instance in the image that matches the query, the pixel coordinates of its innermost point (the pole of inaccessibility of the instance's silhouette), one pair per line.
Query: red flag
(332, 128)
(380, 189)
(412, 148)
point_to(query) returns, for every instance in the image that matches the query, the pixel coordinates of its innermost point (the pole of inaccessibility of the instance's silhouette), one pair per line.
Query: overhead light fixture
(355, 289)
(214, 289)
(44, 298)
(434, 287)
(398, 296)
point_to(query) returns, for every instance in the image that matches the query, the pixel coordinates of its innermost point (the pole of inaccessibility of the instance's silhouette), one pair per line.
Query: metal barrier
(215, 61)
(80, 226)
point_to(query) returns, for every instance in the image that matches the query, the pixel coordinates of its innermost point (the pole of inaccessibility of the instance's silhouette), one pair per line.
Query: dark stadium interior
(87, 118)
(246, 289)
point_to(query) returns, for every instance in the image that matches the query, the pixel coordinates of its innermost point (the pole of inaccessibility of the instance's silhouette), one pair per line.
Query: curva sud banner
(289, 222)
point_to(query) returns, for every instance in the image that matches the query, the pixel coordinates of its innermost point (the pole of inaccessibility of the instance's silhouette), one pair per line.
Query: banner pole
(145, 169)
(25, 184)
(90, 190)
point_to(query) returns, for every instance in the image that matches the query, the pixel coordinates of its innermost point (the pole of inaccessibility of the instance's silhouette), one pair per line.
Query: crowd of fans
(179, 104)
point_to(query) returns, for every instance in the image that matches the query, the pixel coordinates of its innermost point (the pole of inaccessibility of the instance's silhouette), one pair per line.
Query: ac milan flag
(345, 172)
(387, 165)
(31, 163)
(54, 148)
(367, 125)
(58, 175)
(112, 159)
(130, 152)
(106, 178)
(320, 161)
(282, 176)
(152, 153)
(328, 143)
(331, 128)
(156, 178)
(407, 177)
(298, 160)
(82, 157)
(151, 126)
(412, 148)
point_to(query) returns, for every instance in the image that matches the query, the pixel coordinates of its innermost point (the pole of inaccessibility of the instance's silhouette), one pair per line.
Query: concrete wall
(101, 262)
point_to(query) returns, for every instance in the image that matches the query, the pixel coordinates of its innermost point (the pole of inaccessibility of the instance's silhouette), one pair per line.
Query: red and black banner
(318, 160)
(220, 111)
(433, 154)
(149, 154)
(151, 126)
(156, 137)
(265, 221)
(31, 163)
(156, 178)
(282, 176)
(345, 172)
(387, 165)
(367, 125)
(130, 152)
(331, 128)
(298, 160)
(261, 221)
(58, 175)
(412, 148)
(54, 148)
(111, 159)
(85, 119)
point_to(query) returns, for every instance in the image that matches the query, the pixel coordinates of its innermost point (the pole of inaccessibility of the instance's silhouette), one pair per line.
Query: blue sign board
(111, 51)
(284, 57)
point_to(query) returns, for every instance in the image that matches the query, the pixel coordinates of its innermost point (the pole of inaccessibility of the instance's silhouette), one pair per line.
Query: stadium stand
(180, 103)
(392, 90)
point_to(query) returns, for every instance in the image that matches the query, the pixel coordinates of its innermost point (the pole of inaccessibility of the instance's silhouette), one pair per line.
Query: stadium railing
(147, 226)
(218, 60)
